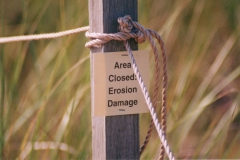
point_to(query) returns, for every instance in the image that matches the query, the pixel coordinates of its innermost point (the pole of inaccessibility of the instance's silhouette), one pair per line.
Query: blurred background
(45, 85)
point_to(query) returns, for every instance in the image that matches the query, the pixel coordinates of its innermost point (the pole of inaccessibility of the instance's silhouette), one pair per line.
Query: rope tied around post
(130, 29)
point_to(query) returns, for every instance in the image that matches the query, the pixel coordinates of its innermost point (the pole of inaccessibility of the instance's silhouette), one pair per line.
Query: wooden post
(113, 137)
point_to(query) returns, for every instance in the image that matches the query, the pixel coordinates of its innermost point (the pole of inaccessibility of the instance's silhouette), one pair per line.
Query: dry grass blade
(195, 104)
(46, 146)
(220, 131)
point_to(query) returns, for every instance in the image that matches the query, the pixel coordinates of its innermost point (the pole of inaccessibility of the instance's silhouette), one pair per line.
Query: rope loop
(127, 31)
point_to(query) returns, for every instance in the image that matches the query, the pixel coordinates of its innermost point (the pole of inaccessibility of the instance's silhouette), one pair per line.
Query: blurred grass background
(45, 85)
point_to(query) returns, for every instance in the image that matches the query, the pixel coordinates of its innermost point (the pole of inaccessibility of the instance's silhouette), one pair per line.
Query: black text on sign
(115, 89)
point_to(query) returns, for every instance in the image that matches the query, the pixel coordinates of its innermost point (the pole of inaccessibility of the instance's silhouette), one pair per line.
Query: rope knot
(126, 25)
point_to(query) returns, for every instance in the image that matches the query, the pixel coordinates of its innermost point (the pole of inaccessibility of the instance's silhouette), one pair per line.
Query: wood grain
(113, 137)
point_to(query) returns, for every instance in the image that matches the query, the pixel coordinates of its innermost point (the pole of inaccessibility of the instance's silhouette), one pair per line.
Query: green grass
(45, 85)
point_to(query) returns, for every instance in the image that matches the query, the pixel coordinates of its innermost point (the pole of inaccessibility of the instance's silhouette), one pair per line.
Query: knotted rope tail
(149, 103)
(164, 88)
(125, 22)
(126, 25)
(149, 33)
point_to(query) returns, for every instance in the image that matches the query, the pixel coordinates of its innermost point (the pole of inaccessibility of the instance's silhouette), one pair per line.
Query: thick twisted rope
(150, 105)
(164, 89)
(149, 33)
(126, 26)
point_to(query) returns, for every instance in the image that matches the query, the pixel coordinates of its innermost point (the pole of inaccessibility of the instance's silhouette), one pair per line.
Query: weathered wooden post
(113, 137)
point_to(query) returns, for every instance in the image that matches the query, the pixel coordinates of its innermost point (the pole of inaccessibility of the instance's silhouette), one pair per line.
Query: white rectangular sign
(115, 87)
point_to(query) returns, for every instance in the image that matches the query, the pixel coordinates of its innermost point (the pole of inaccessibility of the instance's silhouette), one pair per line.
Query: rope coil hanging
(140, 35)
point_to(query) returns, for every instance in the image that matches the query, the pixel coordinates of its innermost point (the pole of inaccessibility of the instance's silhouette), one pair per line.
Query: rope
(150, 33)
(42, 36)
(150, 105)
(164, 89)
(97, 39)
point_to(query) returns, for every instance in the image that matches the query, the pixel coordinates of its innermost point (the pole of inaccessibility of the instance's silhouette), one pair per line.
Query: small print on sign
(115, 87)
